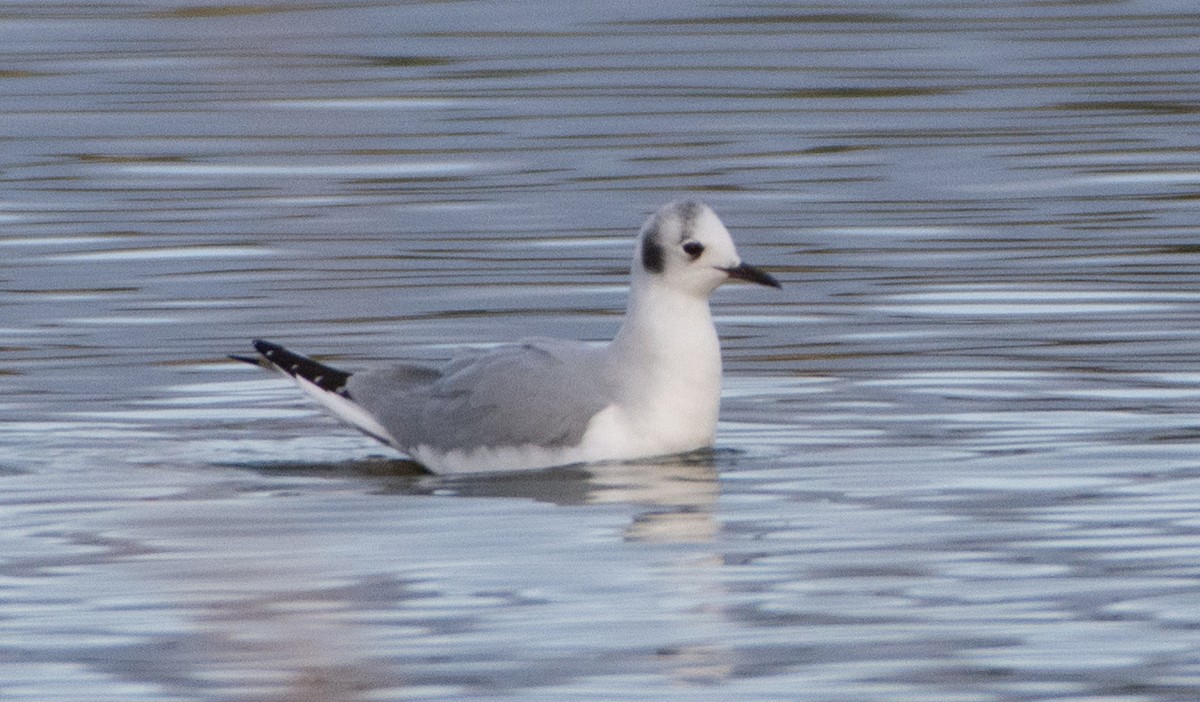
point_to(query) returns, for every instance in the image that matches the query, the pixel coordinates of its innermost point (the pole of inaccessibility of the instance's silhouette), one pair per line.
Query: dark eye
(693, 249)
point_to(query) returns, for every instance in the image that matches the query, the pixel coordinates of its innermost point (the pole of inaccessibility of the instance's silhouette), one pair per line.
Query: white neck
(668, 358)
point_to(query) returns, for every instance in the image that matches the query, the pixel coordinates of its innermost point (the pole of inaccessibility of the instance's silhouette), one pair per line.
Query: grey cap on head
(682, 219)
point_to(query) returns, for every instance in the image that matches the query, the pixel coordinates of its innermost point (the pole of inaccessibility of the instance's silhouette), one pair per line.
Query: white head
(686, 247)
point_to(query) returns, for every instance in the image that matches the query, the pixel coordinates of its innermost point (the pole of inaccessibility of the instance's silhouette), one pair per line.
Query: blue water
(957, 457)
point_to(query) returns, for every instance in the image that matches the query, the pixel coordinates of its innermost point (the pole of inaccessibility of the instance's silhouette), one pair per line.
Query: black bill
(750, 274)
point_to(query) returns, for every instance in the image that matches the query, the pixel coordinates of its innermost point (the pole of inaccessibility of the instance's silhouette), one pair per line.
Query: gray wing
(537, 392)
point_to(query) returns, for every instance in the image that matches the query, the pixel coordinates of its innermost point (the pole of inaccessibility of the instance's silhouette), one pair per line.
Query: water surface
(957, 454)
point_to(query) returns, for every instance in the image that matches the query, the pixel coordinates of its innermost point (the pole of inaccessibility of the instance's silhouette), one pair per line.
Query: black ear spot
(693, 249)
(652, 252)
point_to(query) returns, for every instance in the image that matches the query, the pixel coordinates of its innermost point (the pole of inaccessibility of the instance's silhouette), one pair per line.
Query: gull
(654, 390)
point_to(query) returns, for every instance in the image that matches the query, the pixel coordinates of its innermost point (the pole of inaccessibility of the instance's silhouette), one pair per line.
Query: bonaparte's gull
(654, 390)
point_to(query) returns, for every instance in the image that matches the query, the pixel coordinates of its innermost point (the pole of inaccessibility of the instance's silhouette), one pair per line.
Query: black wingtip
(266, 348)
(296, 365)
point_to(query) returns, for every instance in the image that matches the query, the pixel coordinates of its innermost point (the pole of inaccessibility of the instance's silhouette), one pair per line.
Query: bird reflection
(674, 500)
(678, 492)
